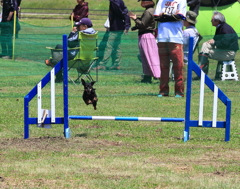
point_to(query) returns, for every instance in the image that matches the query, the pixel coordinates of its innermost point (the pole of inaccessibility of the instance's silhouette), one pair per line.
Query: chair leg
(218, 74)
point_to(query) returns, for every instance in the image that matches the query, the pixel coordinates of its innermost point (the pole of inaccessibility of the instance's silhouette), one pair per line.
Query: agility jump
(48, 117)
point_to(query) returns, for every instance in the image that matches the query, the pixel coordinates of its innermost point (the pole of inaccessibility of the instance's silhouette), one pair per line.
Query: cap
(84, 21)
(191, 17)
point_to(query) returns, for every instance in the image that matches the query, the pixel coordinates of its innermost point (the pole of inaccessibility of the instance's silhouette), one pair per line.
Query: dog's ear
(92, 83)
(83, 82)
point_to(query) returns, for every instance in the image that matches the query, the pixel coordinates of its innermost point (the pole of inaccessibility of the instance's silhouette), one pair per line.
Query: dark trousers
(174, 52)
(6, 39)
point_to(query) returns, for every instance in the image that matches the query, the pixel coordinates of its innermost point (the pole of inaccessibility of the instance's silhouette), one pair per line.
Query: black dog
(89, 95)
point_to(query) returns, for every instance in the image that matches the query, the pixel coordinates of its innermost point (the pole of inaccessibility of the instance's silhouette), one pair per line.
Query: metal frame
(188, 122)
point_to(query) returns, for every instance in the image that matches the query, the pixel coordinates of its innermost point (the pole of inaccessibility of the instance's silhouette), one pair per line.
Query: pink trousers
(149, 55)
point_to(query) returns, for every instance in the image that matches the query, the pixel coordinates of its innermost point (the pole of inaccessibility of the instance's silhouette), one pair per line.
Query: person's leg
(102, 46)
(165, 63)
(222, 55)
(147, 77)
(116, 55)
(10, 45)
(4, 39)
(176, 54)
(206, 50)
(105, 51)
(9, 40)
(149, 55)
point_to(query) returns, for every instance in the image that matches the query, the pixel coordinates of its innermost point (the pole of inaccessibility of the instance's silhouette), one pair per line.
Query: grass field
(110, 154)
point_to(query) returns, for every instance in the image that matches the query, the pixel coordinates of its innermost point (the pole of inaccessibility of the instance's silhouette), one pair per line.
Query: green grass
(114, 154)
(110, 154)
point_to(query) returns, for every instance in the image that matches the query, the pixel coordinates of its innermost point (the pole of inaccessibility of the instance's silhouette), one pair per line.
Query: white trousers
(217, 54)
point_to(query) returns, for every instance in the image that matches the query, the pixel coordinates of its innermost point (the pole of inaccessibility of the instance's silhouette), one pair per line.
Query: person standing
(170, 14)
(119, 24)
(80, 11)
(147, 42)
(9, 6)
(223, 46)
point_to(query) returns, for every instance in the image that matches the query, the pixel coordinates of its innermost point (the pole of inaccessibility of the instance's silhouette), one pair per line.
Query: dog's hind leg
(94, 104)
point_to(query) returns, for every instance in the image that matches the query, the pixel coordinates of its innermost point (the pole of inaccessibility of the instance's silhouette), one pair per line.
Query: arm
(223, 41)
(145, 19)
(164, 17)
(19, 2)
(73, 39)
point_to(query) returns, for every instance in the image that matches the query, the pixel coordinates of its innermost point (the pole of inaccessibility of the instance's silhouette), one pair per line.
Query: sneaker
(100, 68)
(178, 96)
(6, 57)
(162, 94)
(145, 81)
(114, 68)
(49, 63)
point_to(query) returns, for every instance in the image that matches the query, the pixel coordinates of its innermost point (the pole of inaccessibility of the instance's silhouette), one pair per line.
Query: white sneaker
(6, 57)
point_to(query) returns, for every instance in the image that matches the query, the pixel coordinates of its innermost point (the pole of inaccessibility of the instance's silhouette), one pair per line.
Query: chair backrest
(88, 45)
(196, 44)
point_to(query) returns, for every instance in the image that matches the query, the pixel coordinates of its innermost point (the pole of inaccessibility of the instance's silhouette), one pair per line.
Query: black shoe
(113, 68)
(146, 79)
(196, 78)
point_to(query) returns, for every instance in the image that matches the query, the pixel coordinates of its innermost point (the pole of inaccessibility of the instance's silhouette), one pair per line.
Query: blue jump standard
(192, 66)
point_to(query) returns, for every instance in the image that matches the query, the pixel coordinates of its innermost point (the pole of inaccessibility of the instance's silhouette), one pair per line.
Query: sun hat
(84, 21)
(191, 17)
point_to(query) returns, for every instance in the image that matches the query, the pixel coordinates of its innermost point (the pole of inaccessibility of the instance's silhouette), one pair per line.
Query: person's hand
(160, 15)
(211, 41)
(134, 17)
(125, 32)
(74, 29)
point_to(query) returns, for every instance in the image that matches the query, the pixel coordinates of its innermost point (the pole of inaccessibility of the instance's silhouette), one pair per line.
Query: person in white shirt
(170, 15)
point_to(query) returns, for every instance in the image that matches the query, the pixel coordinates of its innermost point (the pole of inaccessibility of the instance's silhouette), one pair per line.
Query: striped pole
(114, 118)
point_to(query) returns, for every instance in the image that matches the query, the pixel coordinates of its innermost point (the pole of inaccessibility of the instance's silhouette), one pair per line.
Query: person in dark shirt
(119, 24)
(80, 11)
(223, 46)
